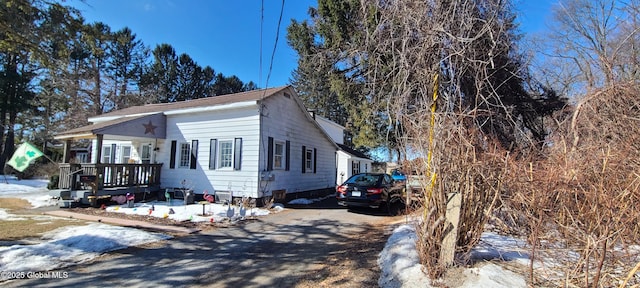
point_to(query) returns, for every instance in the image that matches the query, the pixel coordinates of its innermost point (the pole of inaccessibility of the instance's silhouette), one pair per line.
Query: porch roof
(146, 126)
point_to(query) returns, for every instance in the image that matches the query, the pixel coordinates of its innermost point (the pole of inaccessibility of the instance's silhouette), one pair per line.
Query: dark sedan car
(373, 190)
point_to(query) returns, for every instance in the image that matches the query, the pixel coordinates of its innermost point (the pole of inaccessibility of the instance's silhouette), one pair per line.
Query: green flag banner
(23, 156)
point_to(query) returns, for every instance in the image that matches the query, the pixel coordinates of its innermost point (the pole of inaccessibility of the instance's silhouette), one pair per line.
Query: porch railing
(109, 175)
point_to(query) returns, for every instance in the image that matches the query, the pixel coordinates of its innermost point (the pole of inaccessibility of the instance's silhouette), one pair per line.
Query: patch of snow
(33, 190)
(305, 201)
(6, 216)
(399, 260)
(192, 212)
(400, 263)
(72, 244)
(491, 275)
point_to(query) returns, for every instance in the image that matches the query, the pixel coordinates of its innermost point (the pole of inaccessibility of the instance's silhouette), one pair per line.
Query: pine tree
(26, 46)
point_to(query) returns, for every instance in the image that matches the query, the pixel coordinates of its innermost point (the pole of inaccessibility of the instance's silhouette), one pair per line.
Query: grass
(14, 203)
(30, 226)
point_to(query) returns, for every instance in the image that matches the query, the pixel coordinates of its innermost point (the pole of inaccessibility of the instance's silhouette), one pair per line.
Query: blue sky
(225, 34)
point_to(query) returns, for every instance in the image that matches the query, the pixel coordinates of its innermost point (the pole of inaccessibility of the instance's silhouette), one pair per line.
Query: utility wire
(275, 45)
(261, 25)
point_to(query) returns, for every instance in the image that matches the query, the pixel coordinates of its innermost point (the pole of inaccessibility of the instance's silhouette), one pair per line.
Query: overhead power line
(275, 45)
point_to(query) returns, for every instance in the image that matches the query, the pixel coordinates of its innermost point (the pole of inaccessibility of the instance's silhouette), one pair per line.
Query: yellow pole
(432, 174)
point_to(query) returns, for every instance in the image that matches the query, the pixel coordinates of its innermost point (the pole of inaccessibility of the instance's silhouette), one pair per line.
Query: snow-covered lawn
(75, 244)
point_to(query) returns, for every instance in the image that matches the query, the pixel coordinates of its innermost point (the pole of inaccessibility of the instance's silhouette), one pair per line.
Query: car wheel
(396, 208)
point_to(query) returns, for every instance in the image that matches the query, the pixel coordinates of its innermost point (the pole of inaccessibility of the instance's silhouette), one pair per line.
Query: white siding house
(348, 161)
(251, 144)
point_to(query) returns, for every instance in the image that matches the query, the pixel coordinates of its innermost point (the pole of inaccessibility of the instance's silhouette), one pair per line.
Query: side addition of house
(348, 161)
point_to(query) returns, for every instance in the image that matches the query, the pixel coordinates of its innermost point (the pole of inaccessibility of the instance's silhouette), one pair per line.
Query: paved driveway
(316, 246)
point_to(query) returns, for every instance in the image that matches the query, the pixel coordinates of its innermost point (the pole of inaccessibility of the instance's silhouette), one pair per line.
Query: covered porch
(108, 176)
(135, 172)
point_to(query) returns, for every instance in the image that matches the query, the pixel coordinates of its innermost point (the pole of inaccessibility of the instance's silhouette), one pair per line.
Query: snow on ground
(6, 216)
(175, 210)
(305, 201)
(33, 190)
(70, 245)
(400, 263)
(74, 244)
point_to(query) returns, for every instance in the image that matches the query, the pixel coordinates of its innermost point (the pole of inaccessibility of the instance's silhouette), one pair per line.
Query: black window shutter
(304, 159)
(113, 153)
(287, 155)
(212, 153)
(194, 154)
(270, 154)
(172, 160)
(315, 159)
(237, 154)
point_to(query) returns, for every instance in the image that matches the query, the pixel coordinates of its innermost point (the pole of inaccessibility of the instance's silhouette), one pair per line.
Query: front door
(145, 152)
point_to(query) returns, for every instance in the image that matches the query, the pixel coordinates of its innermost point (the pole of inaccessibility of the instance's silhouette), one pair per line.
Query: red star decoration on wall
(149, 128)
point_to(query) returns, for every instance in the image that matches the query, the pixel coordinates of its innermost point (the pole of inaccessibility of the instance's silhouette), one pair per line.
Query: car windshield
(363, 180)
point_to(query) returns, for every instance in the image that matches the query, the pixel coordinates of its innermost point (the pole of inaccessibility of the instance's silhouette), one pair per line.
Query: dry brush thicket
(579, 204)
(452, 50)
(576, 197)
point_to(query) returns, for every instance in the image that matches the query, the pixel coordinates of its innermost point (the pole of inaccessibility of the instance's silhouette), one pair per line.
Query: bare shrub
(446, 77)
(583, 197)
(459, 166)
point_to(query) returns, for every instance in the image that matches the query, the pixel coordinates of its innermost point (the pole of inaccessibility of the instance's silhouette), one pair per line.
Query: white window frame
(282, 155)
(184, 155)
(308, 160)
(124, 157)
(225, 157)
(106, 156)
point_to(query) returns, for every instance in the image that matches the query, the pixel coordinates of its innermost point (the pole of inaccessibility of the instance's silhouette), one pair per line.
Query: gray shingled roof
(134, 112)
(253, 95)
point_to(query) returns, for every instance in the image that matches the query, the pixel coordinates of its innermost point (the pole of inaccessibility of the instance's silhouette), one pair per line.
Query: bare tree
(628, 36)
(598, 39)
(449, 74)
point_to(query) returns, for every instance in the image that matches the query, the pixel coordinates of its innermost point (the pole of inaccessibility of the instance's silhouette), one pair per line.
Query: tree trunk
(10, 90)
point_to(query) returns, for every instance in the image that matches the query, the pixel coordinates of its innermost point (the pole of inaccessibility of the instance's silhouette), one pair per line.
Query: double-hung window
(108, 154)
(309, 159)
(185, 155)
(126, 153)
(278, 155)
(107, 151)
(224, 154)
(225, 160)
